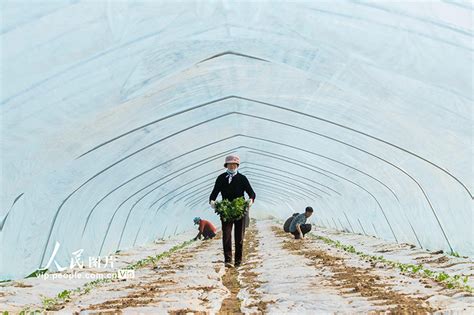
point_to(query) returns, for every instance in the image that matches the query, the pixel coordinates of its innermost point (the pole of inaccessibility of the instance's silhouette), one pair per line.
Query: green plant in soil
(54, 303)
(451, 282)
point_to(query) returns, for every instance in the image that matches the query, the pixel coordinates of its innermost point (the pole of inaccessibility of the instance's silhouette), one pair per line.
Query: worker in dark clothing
(298, 226)
(206, 229)
(232, 185)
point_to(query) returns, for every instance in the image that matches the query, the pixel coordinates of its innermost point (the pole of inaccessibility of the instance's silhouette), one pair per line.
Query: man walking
(231, 184)
(298, 226)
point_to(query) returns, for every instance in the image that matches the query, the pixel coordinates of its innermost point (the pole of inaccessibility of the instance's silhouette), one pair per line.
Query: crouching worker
(298, 226)
(206, 229)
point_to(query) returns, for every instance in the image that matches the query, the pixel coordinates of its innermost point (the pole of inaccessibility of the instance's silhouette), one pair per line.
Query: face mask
(231, 172)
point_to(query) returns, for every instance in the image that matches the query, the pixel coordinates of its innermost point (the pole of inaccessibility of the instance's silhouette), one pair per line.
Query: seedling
(441, 277)
(64, 296)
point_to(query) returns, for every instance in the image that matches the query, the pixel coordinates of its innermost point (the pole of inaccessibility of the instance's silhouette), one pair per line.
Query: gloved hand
(250, 202)
(213, 204)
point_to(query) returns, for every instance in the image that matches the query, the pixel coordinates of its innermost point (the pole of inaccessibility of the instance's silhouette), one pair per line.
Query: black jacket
(235, 189)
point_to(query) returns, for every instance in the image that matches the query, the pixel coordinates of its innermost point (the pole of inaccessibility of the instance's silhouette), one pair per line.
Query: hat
(232, 159)
(196, 220)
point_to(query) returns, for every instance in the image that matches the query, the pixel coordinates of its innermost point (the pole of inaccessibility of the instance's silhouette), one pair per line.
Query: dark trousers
(305, 228)
(238, 238)
(208, 234)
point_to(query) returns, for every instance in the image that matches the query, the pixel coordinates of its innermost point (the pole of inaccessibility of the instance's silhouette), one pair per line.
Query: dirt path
(354, 280)
(187, 281)
(290, 285)
(231, 305)
(278, 275)
(242, 282)
(251, 293)
(386, 288)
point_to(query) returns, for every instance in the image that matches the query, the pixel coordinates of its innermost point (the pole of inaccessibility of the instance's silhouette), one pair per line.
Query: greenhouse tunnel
(117, 116)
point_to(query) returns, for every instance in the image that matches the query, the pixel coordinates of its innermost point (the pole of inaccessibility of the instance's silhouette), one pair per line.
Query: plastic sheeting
(116, 117)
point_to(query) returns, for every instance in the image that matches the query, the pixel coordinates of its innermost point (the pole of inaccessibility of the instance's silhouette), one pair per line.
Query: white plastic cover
(116, 117)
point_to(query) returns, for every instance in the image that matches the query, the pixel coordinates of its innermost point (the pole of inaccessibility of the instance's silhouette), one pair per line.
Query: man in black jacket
(232, 185)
